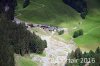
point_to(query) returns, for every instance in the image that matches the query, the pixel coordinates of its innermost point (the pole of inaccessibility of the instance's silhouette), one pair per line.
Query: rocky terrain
(56, 51)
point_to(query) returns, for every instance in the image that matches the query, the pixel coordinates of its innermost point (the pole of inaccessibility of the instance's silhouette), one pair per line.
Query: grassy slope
(52, 12)
(91, 37)
(24, 61)
(55, 12)
(91, 27)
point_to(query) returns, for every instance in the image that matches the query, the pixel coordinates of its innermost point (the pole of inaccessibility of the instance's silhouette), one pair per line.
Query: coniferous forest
(93, 57)
(15, 38)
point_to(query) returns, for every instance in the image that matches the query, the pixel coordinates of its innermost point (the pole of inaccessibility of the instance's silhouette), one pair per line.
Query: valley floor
(56, 52)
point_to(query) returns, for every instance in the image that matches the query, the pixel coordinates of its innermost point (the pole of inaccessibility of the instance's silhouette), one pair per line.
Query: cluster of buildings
(47, 27)
(43, 26)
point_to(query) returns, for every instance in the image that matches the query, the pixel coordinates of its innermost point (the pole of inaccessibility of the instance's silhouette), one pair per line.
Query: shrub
(78, 33)
(26, 3)
(60, 32)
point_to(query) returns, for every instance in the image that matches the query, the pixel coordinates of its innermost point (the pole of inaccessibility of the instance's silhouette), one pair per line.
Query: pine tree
(6, 50)
(92, 54)
(7, 7)
(78, 53)
(26, 3)
(97, 50)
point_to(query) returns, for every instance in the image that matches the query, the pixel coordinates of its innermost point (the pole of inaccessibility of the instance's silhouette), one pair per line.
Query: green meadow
(56, 13)
(91, 37)
(24, 61)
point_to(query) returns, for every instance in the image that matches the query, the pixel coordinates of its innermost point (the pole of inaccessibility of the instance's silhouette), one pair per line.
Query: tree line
(15, 38)
(93, 57)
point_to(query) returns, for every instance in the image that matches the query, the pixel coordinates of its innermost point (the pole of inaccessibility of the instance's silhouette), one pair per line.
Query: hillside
(55, 12)
(91, 27)
(47, 12)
